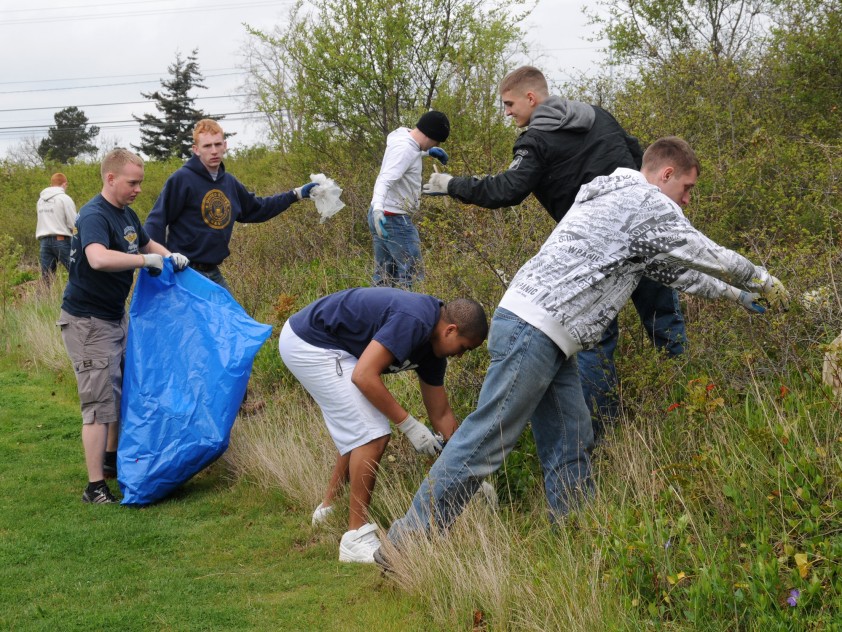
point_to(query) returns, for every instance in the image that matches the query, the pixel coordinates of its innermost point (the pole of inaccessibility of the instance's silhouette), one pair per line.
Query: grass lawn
(218, 555)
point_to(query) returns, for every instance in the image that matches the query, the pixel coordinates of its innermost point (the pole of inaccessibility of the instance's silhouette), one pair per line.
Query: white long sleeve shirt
(620, 229)
(56, 213)
(398, 185)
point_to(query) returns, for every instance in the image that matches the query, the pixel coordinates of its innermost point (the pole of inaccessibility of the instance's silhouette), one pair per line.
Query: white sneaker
(321, 514)
(359, 545)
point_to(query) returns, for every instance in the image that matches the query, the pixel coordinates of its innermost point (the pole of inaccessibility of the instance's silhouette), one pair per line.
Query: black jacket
(567, 144)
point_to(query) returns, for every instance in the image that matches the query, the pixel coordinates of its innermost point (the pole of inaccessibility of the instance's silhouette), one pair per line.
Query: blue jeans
(529, 378)
(663, 321)
(52, 252)
(397, 258)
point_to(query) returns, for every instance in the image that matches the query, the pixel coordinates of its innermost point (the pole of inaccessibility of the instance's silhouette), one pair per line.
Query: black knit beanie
(434, 125)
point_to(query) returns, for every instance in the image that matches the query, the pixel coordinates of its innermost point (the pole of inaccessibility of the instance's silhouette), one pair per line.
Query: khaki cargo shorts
(96, 347)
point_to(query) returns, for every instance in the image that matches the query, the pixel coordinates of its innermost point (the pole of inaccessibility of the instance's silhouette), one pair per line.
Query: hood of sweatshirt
(556, 113)
(620, 179)
(50, 192)
(195, 165)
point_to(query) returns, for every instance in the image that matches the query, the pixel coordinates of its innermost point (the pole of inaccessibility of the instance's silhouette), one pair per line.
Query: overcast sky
(99, 55)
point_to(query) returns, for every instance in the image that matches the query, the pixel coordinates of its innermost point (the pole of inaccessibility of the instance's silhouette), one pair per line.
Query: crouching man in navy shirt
(339, 346)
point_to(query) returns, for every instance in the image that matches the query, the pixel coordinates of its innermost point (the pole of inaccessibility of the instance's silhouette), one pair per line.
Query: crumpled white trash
(326, 196)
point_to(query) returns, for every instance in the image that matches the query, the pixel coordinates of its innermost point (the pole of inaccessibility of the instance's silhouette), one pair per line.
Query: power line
(97, 105)
(134, 74)
(108, 85)
(101, 124)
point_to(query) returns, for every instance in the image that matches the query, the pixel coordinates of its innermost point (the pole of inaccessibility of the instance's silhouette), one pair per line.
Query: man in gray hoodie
(56, 221)
(567, 144)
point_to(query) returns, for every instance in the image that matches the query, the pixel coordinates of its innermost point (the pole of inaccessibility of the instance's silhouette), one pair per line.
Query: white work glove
(153, 263)
(379, 218)
(437, 185)
(179, 261)
(776, 294)
(748, 300)
(419, 436)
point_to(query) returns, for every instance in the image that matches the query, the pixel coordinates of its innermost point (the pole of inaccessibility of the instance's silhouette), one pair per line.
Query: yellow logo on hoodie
(216, 209)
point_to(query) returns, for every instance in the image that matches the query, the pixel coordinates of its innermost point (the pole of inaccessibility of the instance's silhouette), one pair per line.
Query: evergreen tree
(171, 133)
(69, 137)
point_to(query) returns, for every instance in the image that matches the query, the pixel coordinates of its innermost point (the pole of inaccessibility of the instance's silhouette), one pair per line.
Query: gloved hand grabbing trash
(419, 436)
(776, 294)
(748, 300)
(437, 185)
(153, 263)
(379, 218)
(303, 191)
(439, 154)
(179, 261)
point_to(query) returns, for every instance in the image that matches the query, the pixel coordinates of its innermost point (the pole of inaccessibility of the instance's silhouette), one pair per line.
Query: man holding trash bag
(108, 245)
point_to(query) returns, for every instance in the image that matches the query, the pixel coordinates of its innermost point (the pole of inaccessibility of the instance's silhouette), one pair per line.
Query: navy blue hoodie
(200, 212)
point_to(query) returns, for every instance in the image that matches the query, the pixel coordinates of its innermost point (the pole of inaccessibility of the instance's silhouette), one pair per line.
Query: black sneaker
(382, 561)
(109, 471)
(99, 496)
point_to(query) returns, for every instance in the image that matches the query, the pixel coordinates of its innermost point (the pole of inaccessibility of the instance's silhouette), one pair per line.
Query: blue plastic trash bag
(189, 355)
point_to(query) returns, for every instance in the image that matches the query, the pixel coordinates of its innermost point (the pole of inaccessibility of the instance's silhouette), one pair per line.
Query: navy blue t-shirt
(399, 320)
(92, 292)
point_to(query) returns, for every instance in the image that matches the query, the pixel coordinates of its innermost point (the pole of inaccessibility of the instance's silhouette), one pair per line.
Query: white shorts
(351, 419)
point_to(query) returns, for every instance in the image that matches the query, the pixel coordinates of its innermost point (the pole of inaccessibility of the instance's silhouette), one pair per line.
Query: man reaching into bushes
(397, 246)
(339, 346)
(622, 227)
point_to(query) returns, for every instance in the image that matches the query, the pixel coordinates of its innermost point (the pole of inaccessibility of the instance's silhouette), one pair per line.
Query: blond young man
(108, 245)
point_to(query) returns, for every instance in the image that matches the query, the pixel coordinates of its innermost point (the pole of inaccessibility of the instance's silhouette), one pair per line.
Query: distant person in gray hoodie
(56, 221)
(567, 144)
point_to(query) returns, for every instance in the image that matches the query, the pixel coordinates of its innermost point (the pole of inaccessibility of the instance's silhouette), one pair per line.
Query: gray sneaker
(99, 496)
(359, 545)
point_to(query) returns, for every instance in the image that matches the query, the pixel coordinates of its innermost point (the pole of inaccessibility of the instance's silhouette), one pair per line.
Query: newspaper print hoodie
(620, 229)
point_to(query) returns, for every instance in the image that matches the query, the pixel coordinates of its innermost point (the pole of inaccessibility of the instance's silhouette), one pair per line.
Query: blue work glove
(439, 154)
(379, 218)
(304, 191)
(747, 300)
(179, 261)
(437, 185)
(153, 263)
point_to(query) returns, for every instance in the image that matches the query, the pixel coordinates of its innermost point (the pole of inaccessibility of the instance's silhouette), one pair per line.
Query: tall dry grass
(30, 330)
(287, 447)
